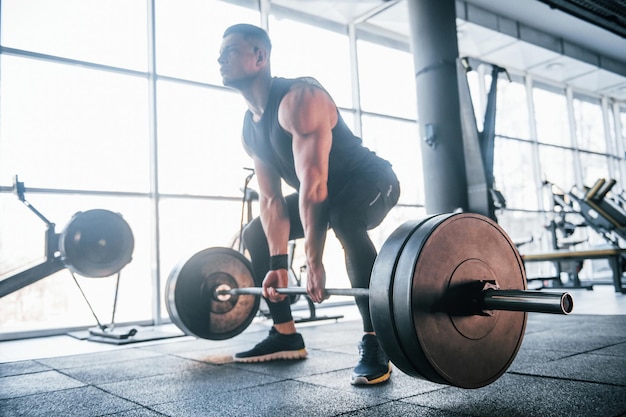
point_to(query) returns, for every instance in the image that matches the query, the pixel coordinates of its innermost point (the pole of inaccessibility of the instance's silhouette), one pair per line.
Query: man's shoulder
(297, 82)
(308, 81)
(301, 87)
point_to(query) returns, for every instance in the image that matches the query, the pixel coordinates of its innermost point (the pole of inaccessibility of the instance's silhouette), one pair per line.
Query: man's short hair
(250, 32)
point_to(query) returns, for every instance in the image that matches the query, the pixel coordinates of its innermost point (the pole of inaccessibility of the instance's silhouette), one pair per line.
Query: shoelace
(270, 337)
(370, 352)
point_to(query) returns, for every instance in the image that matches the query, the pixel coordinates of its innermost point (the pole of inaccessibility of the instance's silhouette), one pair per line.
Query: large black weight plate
(402, 299)
(381, 297)
(448, 252)
(190, 288)
(96, 243)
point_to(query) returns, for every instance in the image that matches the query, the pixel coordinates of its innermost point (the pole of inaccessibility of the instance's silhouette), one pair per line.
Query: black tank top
(267, 140)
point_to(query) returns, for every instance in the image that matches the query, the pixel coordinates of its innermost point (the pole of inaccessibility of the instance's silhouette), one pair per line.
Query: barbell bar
(528, 301)
(348, 292)
(488, 299)
(448, 298)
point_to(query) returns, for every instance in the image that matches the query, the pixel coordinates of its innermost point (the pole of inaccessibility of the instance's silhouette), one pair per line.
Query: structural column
(435, 51)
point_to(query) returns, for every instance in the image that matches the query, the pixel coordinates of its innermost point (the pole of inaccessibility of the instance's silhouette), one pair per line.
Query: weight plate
(96, 243)
(443, 255)
(403, 302)
(190, 300)
(380, 295)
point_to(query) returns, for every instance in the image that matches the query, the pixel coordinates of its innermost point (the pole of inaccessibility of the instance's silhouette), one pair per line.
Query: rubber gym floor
(571, 365)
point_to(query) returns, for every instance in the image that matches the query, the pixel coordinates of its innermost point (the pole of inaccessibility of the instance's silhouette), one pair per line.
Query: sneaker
(275, 346)
(374, 366)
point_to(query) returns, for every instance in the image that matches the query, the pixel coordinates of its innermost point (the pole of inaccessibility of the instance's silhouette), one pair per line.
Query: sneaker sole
(362, 380)
(284, 355)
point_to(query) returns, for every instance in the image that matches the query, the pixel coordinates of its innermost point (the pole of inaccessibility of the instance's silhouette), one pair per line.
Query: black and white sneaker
(274, 347)
(374, 366)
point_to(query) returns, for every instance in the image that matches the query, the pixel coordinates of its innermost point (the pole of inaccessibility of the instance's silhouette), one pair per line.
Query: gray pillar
(435, 51)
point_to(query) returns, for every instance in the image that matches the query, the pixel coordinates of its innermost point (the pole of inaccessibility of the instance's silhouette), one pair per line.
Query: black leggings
(361, 205)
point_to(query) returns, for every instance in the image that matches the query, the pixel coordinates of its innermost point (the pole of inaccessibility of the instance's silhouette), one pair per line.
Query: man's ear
(261, 56)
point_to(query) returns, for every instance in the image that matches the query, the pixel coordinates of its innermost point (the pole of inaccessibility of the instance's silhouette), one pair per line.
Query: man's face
(238, 61)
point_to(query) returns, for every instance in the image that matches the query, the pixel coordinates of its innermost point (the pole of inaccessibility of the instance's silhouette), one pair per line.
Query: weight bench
(614, 256)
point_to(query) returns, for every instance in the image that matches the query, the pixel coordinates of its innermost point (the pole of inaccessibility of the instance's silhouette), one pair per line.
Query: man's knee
(348, 226)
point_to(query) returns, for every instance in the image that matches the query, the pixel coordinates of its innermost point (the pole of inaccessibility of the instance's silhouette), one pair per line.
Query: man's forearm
(315, 224)
(275, 224)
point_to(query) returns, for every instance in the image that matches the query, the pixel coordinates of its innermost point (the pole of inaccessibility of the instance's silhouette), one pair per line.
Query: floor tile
(35, 383)
(517, 395)
(200, 385)
(76, 402)
(281, 399)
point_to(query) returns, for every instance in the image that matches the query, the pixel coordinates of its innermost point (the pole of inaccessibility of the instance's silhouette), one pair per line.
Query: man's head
(244, 53)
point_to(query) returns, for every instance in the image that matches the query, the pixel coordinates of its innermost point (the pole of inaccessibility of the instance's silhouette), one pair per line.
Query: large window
(386, 80)
(199, 136)
(512, 117)
(514, 162)
(551, 117)
(71, 127)
(557, 166)
(513, 170)
(76, 126)
(593, 167)
(590, 134)
(299, 50)
(105, 32)
(189, 35)
(547, 137)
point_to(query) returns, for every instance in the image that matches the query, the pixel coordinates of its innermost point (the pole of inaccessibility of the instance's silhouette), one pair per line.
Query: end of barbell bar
(528, 301)
(222, 292)
(567, 303)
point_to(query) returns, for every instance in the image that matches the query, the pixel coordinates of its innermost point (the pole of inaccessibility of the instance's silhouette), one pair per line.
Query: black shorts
(369, 196)
(364, 201)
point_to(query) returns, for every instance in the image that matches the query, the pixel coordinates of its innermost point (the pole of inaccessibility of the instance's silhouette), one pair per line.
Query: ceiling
(607, 14)
(580, 43)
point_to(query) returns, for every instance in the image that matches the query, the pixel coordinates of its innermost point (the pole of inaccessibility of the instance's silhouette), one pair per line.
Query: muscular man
(293, 131)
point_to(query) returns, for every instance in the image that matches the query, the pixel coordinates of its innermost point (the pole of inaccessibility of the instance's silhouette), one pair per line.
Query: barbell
(448, 298)
(480, 299)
